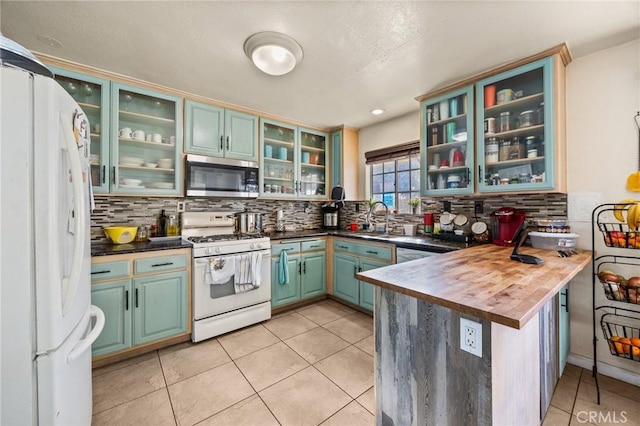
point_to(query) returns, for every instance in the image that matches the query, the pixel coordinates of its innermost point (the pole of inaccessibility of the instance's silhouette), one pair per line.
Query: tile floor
(310, 366)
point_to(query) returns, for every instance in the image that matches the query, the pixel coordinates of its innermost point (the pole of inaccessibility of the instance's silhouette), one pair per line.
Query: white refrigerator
(47, 320)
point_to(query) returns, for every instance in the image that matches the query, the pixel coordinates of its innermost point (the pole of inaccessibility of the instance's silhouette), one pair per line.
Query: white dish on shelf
(129, 164)
(151, 165)
(165, 163)
(123, 185)
(160, 185)
(131, 182)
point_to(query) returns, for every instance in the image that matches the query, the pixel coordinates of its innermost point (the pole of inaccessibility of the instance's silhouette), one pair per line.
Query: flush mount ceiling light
(377, 111)
(273, 53)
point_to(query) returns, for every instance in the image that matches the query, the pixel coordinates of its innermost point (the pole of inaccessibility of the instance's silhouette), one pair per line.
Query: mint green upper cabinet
(92, 95)
(518, 152)
(293, 161)
(211, 130)
(160, 306)
(447, 143)
(114, 298)
(204, 129)
(146, 141)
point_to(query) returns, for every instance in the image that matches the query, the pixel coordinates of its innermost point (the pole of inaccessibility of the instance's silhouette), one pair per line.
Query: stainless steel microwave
(220, 177)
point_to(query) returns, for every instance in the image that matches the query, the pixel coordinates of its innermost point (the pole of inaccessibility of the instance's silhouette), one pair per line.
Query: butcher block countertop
(482, 281)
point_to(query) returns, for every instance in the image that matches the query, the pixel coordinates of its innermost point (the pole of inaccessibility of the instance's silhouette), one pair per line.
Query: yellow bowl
(121, 234)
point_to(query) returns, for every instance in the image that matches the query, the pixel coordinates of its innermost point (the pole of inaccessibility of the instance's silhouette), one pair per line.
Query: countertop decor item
(121, 234)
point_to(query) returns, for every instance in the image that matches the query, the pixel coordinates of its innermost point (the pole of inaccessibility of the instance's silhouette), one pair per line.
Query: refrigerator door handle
(71, 282)
(85, 343)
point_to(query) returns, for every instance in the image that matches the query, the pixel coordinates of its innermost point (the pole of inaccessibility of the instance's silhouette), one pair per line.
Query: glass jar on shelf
(505, 149)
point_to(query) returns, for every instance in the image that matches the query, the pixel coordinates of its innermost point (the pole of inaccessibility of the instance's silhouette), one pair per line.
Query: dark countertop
(102, 248)
(418, 242)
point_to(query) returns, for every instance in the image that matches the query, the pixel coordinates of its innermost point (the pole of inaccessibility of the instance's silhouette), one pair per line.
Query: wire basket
(619, 235)
(622, 337)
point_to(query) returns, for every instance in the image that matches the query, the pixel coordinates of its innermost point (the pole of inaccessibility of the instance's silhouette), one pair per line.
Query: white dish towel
(222, 269)
(247, 272)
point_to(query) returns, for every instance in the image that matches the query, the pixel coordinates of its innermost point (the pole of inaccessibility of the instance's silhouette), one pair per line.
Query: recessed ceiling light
(377, 111)
(50, 41)
(273, 53)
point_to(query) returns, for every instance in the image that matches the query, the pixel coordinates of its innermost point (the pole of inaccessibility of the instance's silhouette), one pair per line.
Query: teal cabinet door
(241, 135)
(114, 298)
(160, 303)
(336, 159)
(345, 284)
(287, 292)
(563, 328)
(204, 129)
(314, 281)
(366, 289)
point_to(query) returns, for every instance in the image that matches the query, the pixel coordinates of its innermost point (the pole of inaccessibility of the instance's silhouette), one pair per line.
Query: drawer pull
(288, 249)
(101, 272)
(155, 265)
(343, 247)
(355, 270)
(313, 246)
(126, 300)
(372, 252)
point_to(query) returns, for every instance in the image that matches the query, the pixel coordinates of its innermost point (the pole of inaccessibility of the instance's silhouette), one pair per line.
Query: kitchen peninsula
(422, 376)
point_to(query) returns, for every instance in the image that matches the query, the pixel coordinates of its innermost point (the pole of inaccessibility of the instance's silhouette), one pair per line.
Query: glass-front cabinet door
(146, 141)
(515, 130)
(312, 163)
(92, 95)
(447, 146)
(278, 175)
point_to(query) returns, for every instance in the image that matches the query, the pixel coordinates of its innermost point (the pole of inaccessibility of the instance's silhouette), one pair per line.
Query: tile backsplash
(118, 210)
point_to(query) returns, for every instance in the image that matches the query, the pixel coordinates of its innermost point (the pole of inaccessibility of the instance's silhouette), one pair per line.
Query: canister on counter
(428, 223)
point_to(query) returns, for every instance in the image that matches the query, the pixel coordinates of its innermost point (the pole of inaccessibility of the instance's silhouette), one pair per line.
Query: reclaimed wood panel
(482, 281)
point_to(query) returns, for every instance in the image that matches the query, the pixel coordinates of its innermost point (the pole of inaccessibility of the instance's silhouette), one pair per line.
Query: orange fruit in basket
(635, 341)
(614, 345)
(635, 352)
(626, 345)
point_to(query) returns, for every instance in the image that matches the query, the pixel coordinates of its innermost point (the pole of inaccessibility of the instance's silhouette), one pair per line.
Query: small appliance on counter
(504, 223)
(331, 209)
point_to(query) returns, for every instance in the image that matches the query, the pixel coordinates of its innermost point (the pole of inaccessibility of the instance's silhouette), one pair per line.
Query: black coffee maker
(331, 209)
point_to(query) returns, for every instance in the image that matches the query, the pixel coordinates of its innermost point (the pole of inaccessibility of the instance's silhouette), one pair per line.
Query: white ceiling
(358, 55)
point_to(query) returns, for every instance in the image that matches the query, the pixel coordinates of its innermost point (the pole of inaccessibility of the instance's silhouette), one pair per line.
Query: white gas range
(231, 274)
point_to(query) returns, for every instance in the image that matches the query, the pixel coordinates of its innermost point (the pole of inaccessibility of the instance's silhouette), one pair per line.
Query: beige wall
(603, 95)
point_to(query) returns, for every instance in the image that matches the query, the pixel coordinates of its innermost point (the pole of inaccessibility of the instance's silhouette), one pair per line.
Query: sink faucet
(386, 215)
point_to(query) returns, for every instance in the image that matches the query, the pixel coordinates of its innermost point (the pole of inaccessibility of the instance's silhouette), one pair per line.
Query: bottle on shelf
(162, 224)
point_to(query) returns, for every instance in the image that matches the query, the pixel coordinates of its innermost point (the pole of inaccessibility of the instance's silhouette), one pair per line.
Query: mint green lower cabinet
(314, 281)
(282, 294)
(563, 328)
(366, 289)
(345, 284)
(114, 298)
(160, 306)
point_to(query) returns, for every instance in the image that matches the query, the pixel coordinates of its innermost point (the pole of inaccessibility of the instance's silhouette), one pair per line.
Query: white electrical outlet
(471, 336)
(180, 207)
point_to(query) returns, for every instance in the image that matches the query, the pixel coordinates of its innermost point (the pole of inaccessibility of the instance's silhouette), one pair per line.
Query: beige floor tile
(247, 340)
(153, 409)
(564, 394)
(368, 400)
(322, 313)
(192, 359)
(125, 384)
(250, 412)
(367, 344)
(339, 306)
(208, 393)
(613, 408)
(556, 417)
(613, 385)
(289, 325)
(306, 398)
(353, 415)
(270, 365)
(125, 363)
(316, 344)
(351, 328)
(351, 369)
(580, 422)
(571, 370)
